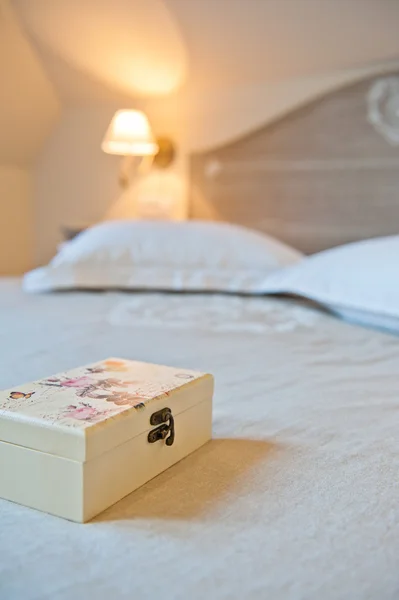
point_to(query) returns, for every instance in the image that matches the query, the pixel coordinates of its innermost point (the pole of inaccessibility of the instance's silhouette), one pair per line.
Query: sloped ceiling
(132, 46)
(171, 57)
(97, 48)
(28, 102)
(242, 42)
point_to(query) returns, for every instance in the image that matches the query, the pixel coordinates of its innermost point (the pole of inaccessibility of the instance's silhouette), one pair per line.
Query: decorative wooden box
(76, 443)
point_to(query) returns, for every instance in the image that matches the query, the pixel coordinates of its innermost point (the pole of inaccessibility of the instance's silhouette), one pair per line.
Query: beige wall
(29, 108)
(16, 217)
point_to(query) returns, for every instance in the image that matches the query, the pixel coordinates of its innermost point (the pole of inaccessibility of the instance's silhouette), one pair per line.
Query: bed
(295, 497)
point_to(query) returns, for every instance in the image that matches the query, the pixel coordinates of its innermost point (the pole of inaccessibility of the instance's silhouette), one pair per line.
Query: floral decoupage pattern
(88, 395)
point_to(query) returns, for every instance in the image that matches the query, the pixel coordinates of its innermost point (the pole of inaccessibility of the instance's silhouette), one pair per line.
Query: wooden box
(76, 443)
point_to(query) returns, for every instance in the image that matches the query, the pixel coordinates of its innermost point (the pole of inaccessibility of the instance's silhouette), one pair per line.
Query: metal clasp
(166, 427)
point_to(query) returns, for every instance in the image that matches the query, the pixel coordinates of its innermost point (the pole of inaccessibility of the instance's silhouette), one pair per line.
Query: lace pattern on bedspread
(215, 312)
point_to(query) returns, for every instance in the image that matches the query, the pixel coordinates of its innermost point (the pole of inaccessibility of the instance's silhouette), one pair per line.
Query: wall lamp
(129, 134)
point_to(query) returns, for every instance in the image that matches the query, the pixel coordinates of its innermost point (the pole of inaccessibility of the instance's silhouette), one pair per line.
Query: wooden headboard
(323, 175)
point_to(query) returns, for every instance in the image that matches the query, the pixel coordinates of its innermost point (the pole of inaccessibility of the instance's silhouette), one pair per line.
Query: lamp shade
(129, 133)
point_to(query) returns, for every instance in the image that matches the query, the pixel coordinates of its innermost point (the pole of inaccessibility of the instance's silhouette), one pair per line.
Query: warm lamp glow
(136, 47)
(130, 134)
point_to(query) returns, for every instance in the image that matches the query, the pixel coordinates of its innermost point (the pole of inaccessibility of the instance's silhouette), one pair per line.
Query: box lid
(81, 413)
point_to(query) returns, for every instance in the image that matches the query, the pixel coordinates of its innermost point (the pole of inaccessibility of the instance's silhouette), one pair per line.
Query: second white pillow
(358, 281)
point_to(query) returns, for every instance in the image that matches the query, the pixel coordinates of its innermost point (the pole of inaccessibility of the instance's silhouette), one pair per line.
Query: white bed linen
(295, 498)
(216, 312)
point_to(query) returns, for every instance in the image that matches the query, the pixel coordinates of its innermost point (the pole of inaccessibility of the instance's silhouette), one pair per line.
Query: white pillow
(179, 256)
(367, 319)
(358, 281)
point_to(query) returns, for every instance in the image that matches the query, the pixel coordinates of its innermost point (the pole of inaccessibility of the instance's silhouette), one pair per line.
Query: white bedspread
(295, 498)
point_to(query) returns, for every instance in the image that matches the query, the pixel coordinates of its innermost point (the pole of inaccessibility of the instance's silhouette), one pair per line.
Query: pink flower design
(80, 382)
(85, 412)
